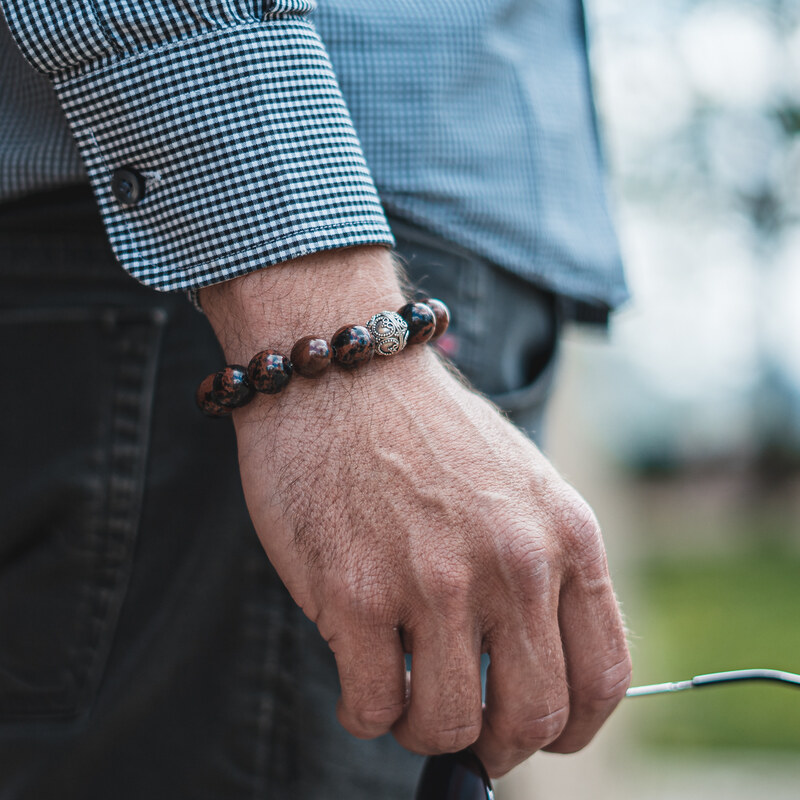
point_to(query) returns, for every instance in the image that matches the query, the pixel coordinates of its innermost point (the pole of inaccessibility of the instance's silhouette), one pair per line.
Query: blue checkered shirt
(475, 118)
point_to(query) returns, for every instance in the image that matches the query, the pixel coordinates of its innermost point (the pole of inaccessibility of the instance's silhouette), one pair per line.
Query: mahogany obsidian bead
(232, 387)
(352, 346)
(311, 356)
(206, 400)
(269, 371)
(442, 313)
(421, 322)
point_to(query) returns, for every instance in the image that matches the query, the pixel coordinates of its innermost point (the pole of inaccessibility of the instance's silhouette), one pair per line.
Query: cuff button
(127, 185)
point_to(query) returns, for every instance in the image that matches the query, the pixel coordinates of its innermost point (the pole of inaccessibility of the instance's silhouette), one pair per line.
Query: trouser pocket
(504, 331)
(77, 385)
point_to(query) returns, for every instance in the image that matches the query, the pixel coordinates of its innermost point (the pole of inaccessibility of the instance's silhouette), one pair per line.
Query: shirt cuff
(244, 147)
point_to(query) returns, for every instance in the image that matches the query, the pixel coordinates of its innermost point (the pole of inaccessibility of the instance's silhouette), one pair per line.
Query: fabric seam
(107, 32)
(74, 75)
(263, 243)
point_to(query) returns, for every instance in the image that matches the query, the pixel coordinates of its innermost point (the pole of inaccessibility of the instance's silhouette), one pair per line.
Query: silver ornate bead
(390, 332)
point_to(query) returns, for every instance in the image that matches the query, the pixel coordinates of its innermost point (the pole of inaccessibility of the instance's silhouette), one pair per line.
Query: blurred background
(683, 428)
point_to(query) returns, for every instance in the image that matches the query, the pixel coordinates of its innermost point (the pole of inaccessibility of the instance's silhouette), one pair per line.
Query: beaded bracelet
(269, 371)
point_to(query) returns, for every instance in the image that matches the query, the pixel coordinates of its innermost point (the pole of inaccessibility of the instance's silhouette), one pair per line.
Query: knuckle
(447, 583)
(531, 563)
(449, 739)
(362, 597)
(535, 732)
(583, 540)
(580, 523)
(367, 722)
(609, 687)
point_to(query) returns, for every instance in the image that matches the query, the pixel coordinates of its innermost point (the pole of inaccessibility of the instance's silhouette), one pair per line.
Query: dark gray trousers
(147, 648)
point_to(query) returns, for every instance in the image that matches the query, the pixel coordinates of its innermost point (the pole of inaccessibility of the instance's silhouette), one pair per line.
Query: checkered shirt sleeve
(231, 112)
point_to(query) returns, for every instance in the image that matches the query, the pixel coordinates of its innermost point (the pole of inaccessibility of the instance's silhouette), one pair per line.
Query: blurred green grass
(712, 614)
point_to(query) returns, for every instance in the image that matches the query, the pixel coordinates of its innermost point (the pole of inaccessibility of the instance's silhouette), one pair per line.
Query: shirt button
(127, 185)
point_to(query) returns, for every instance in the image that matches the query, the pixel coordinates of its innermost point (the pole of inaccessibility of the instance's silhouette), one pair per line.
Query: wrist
(343, 404)
(312, 295)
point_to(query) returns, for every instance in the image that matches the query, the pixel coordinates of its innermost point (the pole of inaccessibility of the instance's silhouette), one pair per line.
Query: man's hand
(405, 514)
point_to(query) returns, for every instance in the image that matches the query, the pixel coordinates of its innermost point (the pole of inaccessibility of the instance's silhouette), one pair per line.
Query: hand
(404, 513)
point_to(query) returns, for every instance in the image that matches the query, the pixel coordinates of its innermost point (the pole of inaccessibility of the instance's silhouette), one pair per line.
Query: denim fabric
(147, 648)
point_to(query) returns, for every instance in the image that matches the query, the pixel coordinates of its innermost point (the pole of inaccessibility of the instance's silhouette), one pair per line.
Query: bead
(269, 371)
(207, 402)
(232, 389)
(311, 356)
(352, 346)
(390, 332)
(421, 322)
(442, 314)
